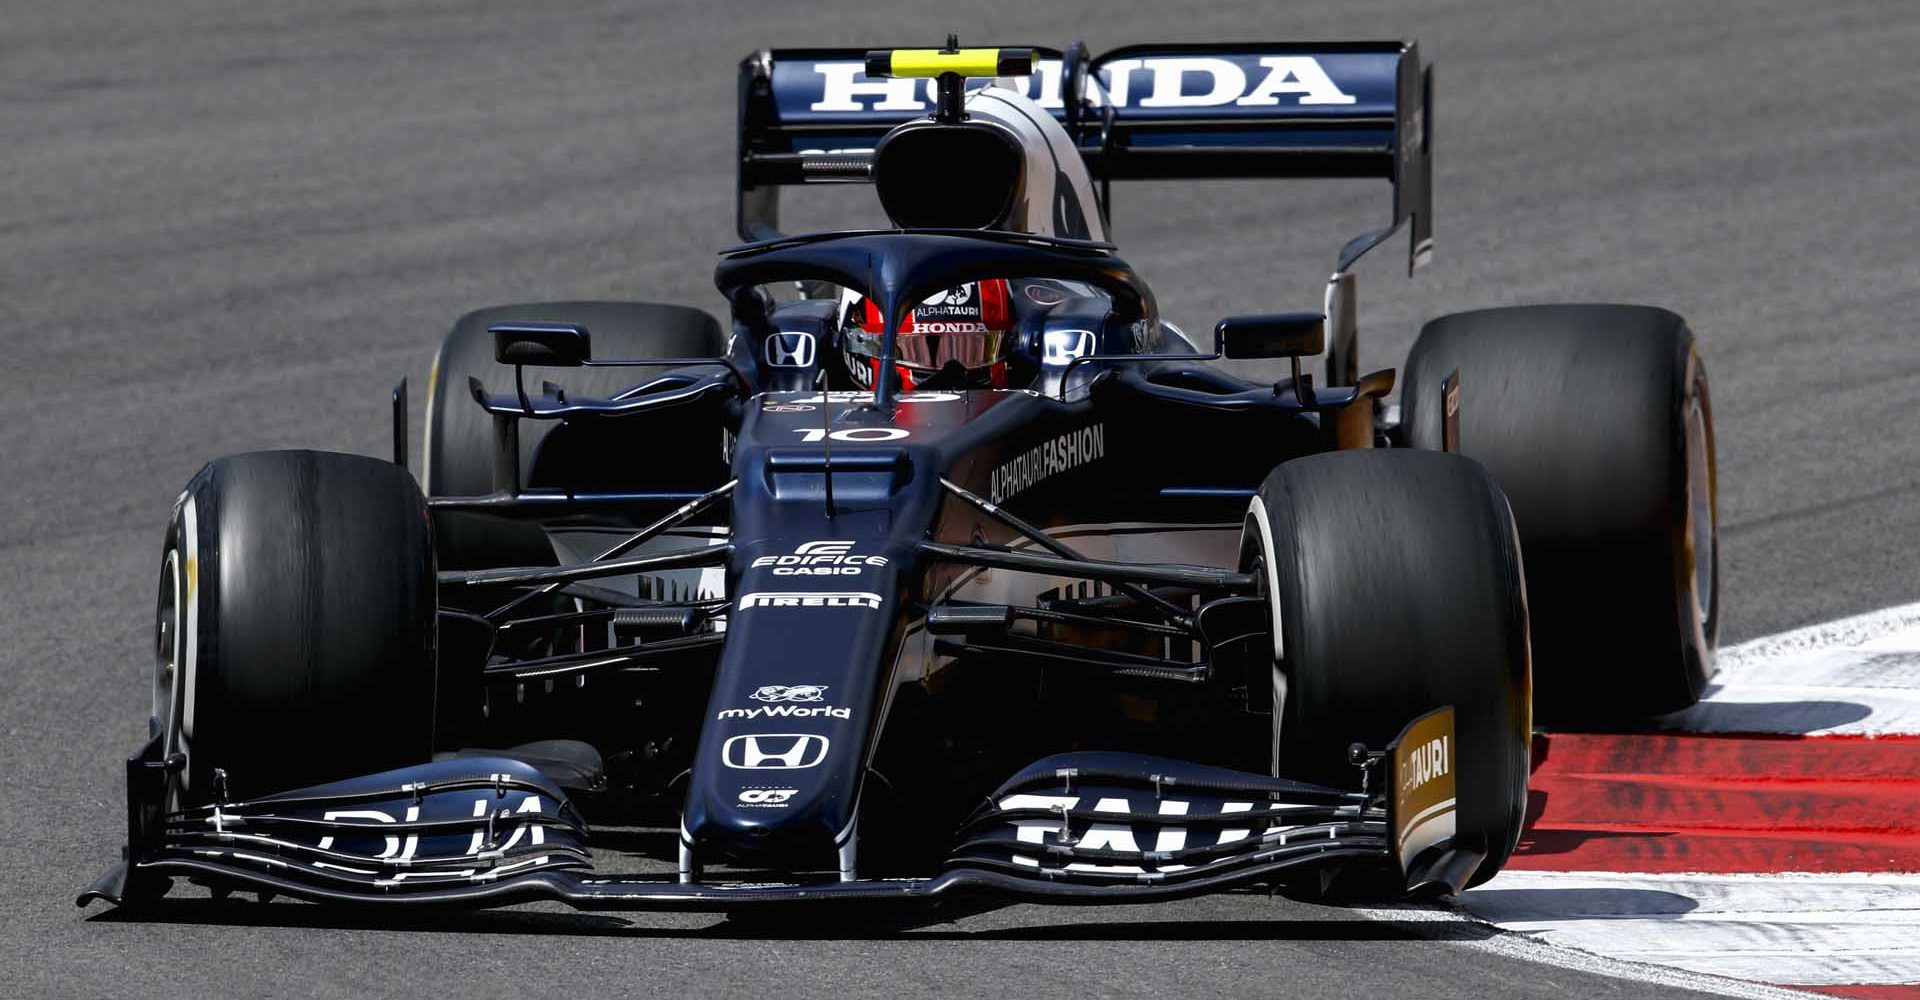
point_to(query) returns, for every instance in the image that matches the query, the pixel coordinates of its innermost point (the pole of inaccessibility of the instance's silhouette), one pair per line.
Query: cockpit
(1007, 166)
(997, 333)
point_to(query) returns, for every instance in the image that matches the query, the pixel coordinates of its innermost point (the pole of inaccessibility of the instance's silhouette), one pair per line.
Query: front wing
(1086, 828)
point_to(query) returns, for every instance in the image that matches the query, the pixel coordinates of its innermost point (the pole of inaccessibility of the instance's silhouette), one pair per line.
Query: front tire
(1395, 580)
(296, 624)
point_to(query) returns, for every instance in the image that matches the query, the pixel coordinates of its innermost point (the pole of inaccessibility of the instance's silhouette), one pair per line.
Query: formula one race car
(946, 568)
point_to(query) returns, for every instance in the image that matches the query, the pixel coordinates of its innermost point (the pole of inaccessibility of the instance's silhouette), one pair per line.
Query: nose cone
(776, 777)
(779, 800)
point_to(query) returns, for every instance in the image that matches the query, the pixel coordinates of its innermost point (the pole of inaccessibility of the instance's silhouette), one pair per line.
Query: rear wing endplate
(1153, 112)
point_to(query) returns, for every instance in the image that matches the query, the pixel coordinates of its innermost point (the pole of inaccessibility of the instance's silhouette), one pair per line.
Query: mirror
(1272, 335)
(553, 345)
(1073, 85)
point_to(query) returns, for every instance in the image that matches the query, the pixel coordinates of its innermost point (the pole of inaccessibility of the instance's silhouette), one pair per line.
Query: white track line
(1871, 629)
(1526, 948)
(1801, 929)
(1697, 894)
(1855, 676)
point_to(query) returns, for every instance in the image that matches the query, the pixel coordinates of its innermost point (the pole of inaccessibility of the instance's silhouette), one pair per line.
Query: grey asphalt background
(230, 226)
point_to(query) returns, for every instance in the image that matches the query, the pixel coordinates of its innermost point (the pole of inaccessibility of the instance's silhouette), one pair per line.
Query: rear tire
(459, 441)
(1396, 582)
(296, 624)
(1595, 421)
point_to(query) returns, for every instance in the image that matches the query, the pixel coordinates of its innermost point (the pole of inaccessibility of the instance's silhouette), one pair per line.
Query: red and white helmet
(954, 339)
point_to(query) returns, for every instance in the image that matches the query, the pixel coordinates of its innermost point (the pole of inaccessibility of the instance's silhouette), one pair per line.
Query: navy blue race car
(945, 568)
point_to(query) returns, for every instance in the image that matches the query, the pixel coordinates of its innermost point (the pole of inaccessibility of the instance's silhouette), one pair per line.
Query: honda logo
(1061, 347)
(790, 350)
(774, 752)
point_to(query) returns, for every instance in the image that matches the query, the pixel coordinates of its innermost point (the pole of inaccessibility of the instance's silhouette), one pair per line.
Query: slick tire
(1595, 421)
(295, 624)
(1395, 581)
(459, 437)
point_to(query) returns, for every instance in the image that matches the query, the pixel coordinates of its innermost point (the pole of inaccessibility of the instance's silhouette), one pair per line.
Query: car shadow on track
(930, 926)
(1734, 718)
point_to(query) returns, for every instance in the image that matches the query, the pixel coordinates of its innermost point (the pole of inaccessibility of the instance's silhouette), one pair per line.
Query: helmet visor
(970, 344)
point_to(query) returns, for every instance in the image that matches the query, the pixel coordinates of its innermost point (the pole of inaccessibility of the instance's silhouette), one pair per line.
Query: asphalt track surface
(231, 226)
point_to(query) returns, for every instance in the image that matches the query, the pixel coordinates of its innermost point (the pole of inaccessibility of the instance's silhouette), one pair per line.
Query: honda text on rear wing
(1282, 109)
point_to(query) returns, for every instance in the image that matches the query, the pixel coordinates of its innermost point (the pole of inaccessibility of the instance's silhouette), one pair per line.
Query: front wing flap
(1118, 819)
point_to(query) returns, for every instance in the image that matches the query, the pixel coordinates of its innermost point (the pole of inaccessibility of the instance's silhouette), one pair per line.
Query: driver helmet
(955, 339)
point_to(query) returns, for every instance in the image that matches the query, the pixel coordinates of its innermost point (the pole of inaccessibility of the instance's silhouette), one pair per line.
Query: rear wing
(1284, 109)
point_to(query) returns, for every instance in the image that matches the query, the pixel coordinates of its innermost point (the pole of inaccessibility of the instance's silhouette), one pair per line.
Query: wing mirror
(1073, 85)
(1276, 335)
(1272, 335)
(551, 345)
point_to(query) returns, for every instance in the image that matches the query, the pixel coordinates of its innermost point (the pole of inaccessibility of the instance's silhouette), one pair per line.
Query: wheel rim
(1701, 534)
(166, 645)
(171, 643)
